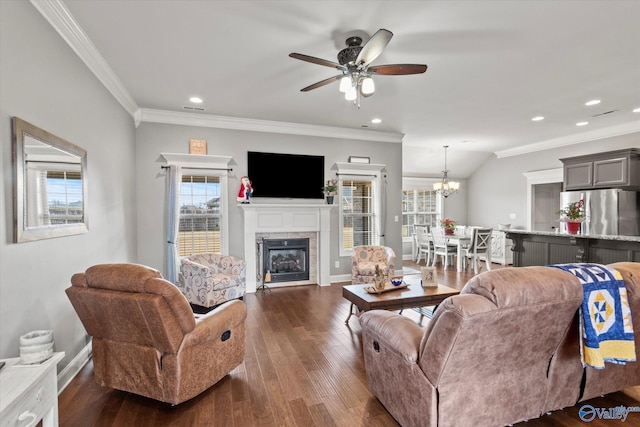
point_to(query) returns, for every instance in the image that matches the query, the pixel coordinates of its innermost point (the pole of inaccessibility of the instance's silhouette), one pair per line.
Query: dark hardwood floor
(303, 367)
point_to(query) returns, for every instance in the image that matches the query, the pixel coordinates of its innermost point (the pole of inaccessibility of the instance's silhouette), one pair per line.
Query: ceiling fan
(354, 64)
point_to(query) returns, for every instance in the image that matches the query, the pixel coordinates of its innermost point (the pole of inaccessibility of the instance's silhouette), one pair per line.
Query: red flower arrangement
(448, 224)
(573, 212)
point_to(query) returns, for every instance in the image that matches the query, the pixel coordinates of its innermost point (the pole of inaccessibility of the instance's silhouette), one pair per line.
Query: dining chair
(442, 247)
(424, 243)
(480, 248)
(462, 230)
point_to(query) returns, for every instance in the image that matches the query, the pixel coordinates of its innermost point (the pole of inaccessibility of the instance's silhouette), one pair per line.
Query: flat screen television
(291, 176)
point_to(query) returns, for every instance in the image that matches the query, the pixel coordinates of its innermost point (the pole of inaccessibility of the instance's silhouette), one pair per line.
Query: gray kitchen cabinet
(612, 169)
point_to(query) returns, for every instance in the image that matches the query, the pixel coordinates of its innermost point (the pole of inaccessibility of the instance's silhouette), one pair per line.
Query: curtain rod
(354, 174)
(53, 162)
(211, 169)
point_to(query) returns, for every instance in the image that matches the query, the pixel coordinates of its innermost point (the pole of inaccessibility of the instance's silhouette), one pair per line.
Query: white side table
(29, 394)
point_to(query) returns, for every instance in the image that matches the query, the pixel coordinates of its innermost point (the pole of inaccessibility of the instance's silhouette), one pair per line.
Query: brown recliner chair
(485, 356)
(146, 339)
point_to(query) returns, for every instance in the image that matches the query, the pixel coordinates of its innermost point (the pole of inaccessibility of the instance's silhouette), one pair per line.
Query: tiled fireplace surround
(278, 221)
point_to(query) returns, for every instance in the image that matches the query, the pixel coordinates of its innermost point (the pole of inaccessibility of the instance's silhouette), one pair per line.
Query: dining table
(462, 241)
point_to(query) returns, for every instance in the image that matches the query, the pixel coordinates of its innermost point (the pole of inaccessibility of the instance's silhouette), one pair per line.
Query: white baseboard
(74, 367)
(340, 278)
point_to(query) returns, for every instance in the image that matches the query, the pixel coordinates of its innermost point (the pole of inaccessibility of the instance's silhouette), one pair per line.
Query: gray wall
(43, 82)
(499, 187)
(153, 139)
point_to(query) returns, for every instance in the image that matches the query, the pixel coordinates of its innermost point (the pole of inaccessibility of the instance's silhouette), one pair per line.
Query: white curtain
(174, 174)
(383, 208)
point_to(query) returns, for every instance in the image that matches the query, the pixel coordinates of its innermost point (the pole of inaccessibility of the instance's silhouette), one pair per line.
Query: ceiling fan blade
(315, 60)
(322, 83)
(374, 47)
(398, 69)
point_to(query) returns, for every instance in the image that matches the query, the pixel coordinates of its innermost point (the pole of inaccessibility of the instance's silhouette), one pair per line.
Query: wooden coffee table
(414, 296)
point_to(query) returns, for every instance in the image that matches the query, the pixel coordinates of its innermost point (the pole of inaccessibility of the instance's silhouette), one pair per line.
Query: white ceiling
(493, 65)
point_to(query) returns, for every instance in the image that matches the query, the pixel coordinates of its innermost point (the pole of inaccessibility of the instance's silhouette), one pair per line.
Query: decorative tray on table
(387, 288)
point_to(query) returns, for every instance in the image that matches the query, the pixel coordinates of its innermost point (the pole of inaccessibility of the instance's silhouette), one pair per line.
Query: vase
(573, 227)
(448, 231)
(329, 200)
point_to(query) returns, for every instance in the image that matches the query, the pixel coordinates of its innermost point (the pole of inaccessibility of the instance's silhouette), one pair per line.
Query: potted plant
(449, 225)
(573, 214)
(330, 190)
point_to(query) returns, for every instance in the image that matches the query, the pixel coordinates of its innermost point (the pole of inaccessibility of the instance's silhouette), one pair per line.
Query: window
(199, 229)
(358, 208)
(361, 196)
(63, 191)
(418, 207)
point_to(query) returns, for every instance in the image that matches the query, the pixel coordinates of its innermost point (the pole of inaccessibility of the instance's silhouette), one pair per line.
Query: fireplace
(286, 260)
(287, 221)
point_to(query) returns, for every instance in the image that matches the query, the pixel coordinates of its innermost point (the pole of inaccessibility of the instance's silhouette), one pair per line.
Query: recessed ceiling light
(637, 110)
(195, 100)
(537, 118)
(466, 141)
(582, 123)
(376, 121)
(592, 102)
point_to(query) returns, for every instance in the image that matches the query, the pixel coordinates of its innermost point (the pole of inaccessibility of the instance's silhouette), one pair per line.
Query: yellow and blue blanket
(605, 318)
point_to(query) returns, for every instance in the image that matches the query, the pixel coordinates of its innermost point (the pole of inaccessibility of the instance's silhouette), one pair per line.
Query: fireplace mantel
(287, 218)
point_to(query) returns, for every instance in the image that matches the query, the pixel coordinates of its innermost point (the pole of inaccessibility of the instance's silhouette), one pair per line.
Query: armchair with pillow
(208, 280)
(364, 260)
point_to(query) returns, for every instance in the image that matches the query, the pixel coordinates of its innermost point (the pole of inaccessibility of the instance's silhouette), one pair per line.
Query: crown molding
(60, 18)
(255, 125)
(608, 132)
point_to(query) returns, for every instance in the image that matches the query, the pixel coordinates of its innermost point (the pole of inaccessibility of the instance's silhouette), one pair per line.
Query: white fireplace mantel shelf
(287, 218)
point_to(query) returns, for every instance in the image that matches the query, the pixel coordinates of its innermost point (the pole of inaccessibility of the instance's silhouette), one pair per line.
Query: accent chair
(208, 280)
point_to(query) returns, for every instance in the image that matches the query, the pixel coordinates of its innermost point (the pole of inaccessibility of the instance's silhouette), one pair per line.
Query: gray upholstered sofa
(505, 350)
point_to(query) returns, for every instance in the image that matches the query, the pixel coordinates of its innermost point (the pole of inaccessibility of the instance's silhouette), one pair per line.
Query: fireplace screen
(286, 259)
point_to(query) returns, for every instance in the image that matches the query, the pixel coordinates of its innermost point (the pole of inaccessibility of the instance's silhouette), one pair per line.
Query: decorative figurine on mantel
(246, 189)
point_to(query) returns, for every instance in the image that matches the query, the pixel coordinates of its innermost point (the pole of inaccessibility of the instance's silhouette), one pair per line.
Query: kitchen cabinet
(612, 169)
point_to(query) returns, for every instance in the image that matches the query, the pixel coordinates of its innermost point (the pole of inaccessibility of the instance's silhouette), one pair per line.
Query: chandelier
(446, 187)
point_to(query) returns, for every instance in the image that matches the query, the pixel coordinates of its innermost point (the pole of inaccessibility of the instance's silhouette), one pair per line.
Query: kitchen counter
(579, 236)
(544, 247)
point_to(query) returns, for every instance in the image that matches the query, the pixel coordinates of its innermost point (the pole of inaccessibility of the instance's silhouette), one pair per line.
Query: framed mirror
(50, 198)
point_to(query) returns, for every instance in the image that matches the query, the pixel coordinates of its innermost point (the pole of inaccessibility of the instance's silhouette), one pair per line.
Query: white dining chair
(442, 247)
(425, 246)
(480, 248)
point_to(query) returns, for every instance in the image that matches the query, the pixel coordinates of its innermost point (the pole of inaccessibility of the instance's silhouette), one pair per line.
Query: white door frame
(547, 176)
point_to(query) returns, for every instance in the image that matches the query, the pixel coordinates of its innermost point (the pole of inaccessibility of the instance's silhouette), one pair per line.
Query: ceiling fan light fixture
(345, 84)
(351, 94)
(368, 86)
(354, 64)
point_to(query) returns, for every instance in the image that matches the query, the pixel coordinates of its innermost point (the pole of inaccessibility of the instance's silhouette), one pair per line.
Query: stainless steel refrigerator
(610, 212)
